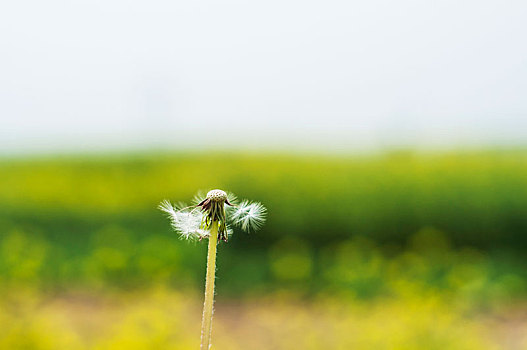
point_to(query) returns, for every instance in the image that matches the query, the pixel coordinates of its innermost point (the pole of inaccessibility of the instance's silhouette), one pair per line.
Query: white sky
(286, 74)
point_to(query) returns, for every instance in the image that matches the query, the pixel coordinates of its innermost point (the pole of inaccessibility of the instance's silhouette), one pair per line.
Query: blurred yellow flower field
(165, 319)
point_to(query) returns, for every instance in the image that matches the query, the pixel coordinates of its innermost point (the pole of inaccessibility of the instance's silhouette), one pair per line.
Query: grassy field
(394, 251)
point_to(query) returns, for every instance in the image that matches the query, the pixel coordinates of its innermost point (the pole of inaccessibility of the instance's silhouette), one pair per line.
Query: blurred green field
(393, 251)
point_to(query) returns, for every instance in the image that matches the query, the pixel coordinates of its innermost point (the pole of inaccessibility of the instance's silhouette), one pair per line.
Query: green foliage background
(92, 221)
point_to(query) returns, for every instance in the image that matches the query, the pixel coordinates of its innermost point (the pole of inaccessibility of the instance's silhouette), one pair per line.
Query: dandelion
(209, 218)
(249, 216)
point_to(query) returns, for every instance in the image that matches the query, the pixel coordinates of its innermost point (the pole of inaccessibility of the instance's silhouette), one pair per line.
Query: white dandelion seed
(184, 221)
(168, 208)
(198, 197)
(249, 215)
(229, 231)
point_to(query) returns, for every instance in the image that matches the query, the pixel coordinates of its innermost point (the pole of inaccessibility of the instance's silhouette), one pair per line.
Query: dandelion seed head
(217, 206)
(202, 195)
(217, 195)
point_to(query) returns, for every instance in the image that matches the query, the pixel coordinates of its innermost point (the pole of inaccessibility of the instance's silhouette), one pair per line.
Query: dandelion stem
(206, 322)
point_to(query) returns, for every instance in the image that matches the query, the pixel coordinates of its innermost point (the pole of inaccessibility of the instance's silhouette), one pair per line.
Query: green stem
(206, 321)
